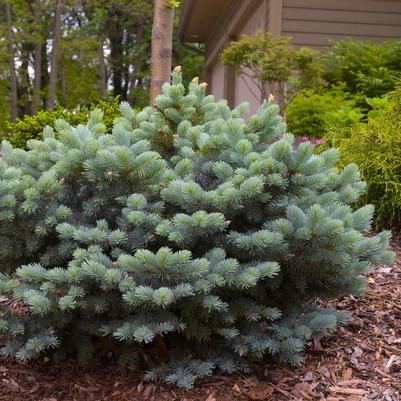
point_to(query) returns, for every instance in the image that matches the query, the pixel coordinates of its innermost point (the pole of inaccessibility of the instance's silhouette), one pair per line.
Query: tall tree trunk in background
(44, 69)
(51, 96)
(162, 39)
(37, 81)
(102, 71)
(63, 83)
(136, 64)
(13, 74)
(24, 89)
(116, 53)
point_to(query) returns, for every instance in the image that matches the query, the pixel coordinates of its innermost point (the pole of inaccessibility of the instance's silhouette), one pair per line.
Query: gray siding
(314, 22)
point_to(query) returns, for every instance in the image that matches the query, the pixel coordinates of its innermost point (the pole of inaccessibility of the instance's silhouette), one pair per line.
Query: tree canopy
(103, 50)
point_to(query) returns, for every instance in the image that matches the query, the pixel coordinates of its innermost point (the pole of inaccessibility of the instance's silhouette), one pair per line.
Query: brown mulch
(360, 362)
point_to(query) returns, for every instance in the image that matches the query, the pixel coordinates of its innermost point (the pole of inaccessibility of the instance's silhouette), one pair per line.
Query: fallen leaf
(236, 388)
(347, 374)
(210, 397)
(309, 376)
(149, 390)
(355, 322)
(260, 392)
(357, 353)
(34, 388)
(140, 387)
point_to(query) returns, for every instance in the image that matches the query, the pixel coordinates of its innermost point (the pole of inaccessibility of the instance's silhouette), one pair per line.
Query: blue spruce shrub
(188, 239)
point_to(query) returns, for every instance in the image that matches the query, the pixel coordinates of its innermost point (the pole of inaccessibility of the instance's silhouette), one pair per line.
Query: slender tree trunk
(37, 81)
(51, 96)
(24, 89)
(44, 69)
(162, 39)
(116, 52)
(102, 71)
(13, 74)
(126, 76)
(63, 83)
(136, 63)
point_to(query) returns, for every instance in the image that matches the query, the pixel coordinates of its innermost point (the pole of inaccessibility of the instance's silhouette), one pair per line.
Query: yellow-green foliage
(313, 113)
(376, 147)
(31, 127)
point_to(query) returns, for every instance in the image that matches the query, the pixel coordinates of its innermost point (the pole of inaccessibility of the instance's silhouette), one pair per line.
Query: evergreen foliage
(187, 238)
(312, 112)
(31, 127)
(375, 146)
(366, 68)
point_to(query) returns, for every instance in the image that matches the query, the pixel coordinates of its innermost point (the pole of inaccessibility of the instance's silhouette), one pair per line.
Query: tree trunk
(136, 64)
(24, 88)
(102, 71)
(44, 69)
(63, 83)
(51, 96)
(162, 39)
(37, 81)
(13, 74)
(116, 52)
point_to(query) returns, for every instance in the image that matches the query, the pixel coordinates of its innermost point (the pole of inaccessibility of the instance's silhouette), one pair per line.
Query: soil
(359, 362)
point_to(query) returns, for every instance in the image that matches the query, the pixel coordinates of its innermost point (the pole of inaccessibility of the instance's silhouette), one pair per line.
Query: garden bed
(361, 361)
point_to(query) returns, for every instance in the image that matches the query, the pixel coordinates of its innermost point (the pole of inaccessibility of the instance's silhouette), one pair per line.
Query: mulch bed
(360, 362)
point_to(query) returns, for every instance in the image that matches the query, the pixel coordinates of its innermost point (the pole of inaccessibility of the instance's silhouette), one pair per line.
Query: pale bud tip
(195, 80)
(203, 85)
(177, 69)
(271, 98)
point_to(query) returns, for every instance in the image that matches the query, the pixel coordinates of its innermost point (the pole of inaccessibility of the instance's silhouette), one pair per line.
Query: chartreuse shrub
(313, 113)
(187, 238)
(31, 127)
(375, 146)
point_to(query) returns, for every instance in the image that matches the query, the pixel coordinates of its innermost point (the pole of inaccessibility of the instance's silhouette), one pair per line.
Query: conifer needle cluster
(188, 240)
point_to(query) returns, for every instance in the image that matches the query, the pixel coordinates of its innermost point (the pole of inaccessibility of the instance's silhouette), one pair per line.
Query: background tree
(103, 50)
(37, 83)
(51, 97)
(13, 75)
(276, 66)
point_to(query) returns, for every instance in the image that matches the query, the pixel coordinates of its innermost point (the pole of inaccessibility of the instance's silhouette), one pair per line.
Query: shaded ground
(360, 362)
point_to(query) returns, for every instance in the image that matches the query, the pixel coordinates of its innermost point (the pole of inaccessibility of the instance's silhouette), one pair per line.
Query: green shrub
(375, 146)
(312, 113)
(368, 68)
(31, 127)
(188, 237)
(274, 64)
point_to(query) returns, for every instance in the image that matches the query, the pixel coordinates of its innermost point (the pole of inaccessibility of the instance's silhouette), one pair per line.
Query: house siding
(311, 23)
(314, 23)
(217, 79)
(245, 88)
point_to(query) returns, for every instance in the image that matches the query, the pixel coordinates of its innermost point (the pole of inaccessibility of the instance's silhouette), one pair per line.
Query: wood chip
(347, 390)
